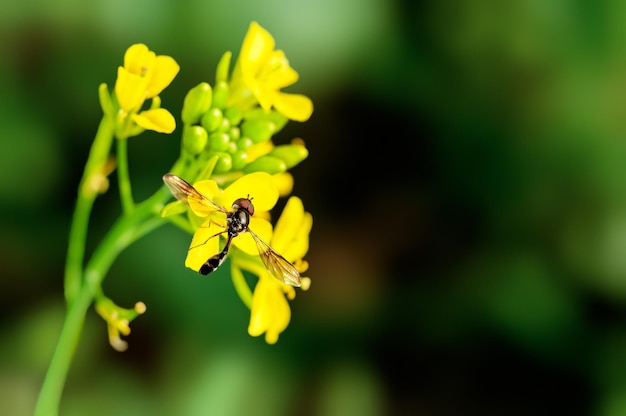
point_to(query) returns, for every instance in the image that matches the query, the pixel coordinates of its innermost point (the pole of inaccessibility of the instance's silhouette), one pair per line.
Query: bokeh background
(467, 178)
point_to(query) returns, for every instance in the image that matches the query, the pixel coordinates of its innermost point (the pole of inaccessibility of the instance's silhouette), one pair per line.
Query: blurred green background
(467, 179)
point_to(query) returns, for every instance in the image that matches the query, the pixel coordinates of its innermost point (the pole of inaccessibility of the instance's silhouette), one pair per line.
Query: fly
(237, 222)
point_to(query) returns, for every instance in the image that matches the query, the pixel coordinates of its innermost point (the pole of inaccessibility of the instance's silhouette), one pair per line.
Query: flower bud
(224, 163)
(291, 154)
(224, 126)
(240, 159)
(219, 142)
(234, 115)
(244, 143)
(258, 130)
(197, 102)
(156, 102)
(194, 139)
(267, 163)
(212, 119)
(105, 101)
(220, 94)
(234, 132)
(260, 114)
(221, 73)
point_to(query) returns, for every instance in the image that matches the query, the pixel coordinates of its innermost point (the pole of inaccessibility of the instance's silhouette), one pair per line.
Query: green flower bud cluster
(211, 128)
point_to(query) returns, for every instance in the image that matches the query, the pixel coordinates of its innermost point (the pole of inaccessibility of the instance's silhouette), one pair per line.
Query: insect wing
(276, 264)
(185, 192)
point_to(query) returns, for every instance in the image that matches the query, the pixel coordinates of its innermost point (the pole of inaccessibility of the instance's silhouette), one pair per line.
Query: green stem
(84, 203)
(124, 232)
(126, 195)
(50, 395)
(240, 284)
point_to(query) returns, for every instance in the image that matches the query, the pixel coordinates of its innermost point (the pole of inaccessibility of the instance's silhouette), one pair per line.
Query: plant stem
(124, 232)
(241, 286)
(78, 232)
(126, 195)
(50, 395)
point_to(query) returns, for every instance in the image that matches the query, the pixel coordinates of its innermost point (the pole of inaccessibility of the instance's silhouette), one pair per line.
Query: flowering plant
(227, 153)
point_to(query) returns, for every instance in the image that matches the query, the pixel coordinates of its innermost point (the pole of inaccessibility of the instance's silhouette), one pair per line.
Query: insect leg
(205, 241)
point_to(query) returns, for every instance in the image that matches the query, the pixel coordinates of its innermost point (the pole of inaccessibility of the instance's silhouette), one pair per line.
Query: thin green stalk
(50, 395)
(241, 286)
(123, 233)
(148, 226)
(86, 196)
(115, 241)
(126, 195)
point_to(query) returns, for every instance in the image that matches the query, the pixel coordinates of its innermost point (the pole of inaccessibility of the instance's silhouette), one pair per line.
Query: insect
(237, 222)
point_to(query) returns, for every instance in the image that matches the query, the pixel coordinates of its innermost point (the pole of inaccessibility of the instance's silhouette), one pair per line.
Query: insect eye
(249, 207)
(244, 203)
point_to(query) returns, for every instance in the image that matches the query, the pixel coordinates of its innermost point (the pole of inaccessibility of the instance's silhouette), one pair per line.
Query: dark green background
(467, 179)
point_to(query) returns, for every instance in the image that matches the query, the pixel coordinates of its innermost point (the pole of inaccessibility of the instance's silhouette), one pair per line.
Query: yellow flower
(259, 187)
(143, 76)
(118, 320)
(270, 312)
(261, 72)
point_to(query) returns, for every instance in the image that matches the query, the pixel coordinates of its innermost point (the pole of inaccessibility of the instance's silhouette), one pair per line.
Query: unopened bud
(244, 143)
(197, 102)
(234, 115)
(267, 163)
(258, 130)
(212, 119)
(223, 66)
(240, 159)
(105, 101)
(224, 126)
(220, 94)
(291, 154)
(224, 162)
(219, 142)
(194, 139)
(234, 133)
(260, 114)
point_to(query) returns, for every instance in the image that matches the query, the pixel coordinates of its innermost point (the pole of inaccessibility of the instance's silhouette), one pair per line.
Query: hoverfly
(237, 222)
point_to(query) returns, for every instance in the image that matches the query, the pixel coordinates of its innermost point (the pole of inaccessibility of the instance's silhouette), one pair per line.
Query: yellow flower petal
(260, 227)
(129, 89)
(260, 73)
(138, 59)
(291, 233)
(288, 225)
(300, 245)
(164, 72)
(256, 49)
(257, 150)
(203, 245)
(293, 106)
(144, 76)
(157, 119)
(265, 96)
(284, 183)
(270, 312)
(259, 186)
(277, 72)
